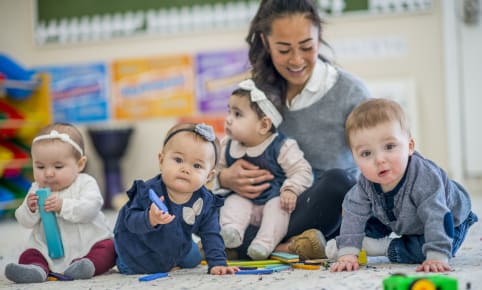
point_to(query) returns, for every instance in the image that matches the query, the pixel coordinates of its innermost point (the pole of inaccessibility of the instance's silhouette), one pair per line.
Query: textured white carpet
(467, 268)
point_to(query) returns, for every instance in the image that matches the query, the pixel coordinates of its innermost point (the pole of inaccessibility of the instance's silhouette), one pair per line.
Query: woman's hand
(433, 266)
(245, 179)
(345, 263)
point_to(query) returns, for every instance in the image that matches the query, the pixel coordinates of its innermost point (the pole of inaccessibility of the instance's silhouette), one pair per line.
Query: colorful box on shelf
(6, 200)
(28, 115)
(17, 82)
(5, 157)
(19, 158)
(10, 120)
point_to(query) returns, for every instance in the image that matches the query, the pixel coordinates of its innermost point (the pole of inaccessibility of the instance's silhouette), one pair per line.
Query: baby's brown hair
(201, 131)
(373, 112)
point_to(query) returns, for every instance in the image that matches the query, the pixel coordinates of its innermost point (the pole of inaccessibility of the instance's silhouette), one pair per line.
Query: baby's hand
(158, 217)
(345, 263)
(433, 266)
(222, 270)
(32, 201)
(53, 203)
(288, 200)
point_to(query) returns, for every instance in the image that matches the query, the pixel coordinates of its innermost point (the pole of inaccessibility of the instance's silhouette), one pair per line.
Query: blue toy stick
(155, 199)
(51, 228)
(255, 272)
(153, 277)
(278, 268)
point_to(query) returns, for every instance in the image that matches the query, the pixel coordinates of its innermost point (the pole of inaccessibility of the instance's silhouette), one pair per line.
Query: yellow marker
(362, 258)
(305, 267)
(256, 263)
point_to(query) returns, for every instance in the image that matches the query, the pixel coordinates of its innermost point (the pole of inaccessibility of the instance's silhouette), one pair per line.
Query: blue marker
(155, 199)
(255, 272)
(278, 268)
(152, 277)
(51, 228)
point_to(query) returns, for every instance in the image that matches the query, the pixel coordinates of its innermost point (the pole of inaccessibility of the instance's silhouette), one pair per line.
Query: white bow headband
(62, 136)
(263, 102)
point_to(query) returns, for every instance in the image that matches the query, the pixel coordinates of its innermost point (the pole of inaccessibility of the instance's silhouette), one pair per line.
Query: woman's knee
(333, 185)
(339, 177)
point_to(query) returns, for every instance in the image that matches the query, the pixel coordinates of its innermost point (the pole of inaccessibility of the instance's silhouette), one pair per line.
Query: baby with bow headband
(252, 137)
(149, 239)
(59, 159)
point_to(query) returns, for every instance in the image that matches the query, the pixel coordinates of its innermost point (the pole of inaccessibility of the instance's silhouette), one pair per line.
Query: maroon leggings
(102, 255)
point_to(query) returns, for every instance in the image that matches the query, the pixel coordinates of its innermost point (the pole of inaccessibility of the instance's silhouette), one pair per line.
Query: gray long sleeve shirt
(421, 206)
(319, 128)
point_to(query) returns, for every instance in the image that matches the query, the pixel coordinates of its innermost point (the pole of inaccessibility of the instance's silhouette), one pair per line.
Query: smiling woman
(315, 97)
(293, 57)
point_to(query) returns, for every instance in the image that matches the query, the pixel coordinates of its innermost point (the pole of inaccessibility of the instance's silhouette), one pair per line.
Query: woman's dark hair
(263, 70)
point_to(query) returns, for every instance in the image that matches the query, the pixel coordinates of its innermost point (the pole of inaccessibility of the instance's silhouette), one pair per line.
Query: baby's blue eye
(177, 160)
(390, 146)
(365, 154)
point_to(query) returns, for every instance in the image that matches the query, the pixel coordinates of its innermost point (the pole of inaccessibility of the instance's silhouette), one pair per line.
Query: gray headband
(203, 130)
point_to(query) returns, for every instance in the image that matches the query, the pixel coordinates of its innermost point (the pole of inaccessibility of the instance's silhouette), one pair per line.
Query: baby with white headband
(58, 159)
(251, 136)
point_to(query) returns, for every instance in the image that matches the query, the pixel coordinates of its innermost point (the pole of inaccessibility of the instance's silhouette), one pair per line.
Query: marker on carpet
(305, 267)
(257, 263)
(153, 277)
(255, 272)
(278, 268)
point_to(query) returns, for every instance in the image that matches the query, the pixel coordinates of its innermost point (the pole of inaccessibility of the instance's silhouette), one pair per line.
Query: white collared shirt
(237, 150)
(321, 81)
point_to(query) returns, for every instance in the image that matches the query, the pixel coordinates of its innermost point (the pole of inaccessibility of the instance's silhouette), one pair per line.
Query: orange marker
(305, 267)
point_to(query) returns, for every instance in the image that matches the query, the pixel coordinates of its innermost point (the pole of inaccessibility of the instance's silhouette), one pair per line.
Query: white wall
(420, 60)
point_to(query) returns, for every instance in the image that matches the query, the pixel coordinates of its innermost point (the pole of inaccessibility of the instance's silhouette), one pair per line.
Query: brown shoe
(308, 245)
(231, 254)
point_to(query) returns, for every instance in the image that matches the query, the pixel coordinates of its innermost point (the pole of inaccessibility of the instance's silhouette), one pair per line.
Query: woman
(316, 97)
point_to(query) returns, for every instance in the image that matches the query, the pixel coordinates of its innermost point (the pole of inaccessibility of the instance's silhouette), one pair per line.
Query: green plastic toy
(431, 282)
